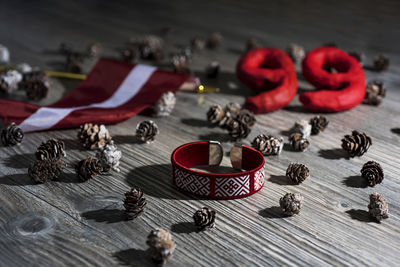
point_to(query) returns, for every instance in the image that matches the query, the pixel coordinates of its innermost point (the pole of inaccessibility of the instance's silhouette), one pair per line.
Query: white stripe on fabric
(45, 118)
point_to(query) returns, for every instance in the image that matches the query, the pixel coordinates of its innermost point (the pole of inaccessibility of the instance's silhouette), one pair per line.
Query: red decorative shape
(337, 91)
(272, 73)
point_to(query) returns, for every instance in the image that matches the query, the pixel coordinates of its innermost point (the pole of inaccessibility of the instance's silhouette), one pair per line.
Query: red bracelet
(217, 185)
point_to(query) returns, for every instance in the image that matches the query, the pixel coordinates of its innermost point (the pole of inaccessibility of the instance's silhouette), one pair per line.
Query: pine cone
(360, 57)
(297, 172)
(233, 108)
(296, 52)
(356, 144)
(11, 135)
(238, 129)
(291, 203)
(94, 136)
(215, 114)
(9, 81)
(212, 70)
(94, 50)
(130, 54)
(134, 203)
(165, 104)
(65, 49)
(381, 63)
(204, 218)
(375, 91)
(197, 43)
(303, 127)
(247, 117)
(251, 44)
(146, 131)
(161, 245)
(52, 149)
(151, 47)
(45, 170)
(88, 168)
(268, 144)
(372, 172)
(378, 207)
(215, 40)
(180, 64)
(109, 157)
(298, 142)
(75, 62)
(36, 84)
(318, 124)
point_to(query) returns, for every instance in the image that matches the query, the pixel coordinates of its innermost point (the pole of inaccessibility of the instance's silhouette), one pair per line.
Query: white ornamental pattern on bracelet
(235, 186)
(192, 183)
(259, 178)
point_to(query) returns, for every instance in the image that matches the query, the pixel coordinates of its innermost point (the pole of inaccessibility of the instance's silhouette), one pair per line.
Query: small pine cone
(297, 172)
(94, 136)
(233, 108)
(251, 44)
(268, 145)
(296, 52)
(360, 57)
(109, 157)
(130, 54)
(45, 170)
(88, 168)
(180, 64)
(303, 127)
(165, 104)
(291, 203)
(197, 43)
(356, 144)
(215, 114)
(372, 172)
(11, 135)
(381, 63)
(94, 50)
(247, 117)
(36, 90)
(214, 40)
(65, 48)
(318, 124)
(378, 207)
(204, 218)
(151, 47)
(238, 129)
(52, 149)
(212, 70)
(161, 245)
(75, 62)
(146, 131)
(375, 91)
(298, 142)
(134, 203)
(9, 81)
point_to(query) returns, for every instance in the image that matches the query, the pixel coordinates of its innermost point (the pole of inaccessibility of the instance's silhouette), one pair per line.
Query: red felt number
(271, 72)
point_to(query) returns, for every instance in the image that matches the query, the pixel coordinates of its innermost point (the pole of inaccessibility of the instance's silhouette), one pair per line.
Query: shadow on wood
(279, 179)
(70, 177)
(355, 181)
(184, 228)
(134, 257)
(127, 139)
(16, 179)
(214, 136)
(19, 161)
(395, 130)
(156, 180)
(359, 215)
(196, 122)
(336, 153)
(105, 215)
(272, 213)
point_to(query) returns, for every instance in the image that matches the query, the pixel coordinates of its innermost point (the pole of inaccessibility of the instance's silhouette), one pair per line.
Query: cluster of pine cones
(34, 82)
(375, 92)
(75, 59)
(236, 120)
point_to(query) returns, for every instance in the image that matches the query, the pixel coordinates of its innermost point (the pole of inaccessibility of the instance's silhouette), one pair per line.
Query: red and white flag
(112, 92)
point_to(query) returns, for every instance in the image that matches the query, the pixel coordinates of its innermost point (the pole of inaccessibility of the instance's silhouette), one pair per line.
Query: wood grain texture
(67, 223)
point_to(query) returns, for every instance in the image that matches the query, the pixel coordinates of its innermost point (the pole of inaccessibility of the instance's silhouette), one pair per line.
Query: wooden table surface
(67, 223)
